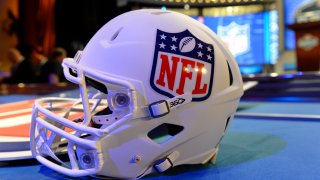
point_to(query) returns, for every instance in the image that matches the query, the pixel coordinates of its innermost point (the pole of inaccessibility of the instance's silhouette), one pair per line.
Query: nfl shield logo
(234, 33)
(182, 63)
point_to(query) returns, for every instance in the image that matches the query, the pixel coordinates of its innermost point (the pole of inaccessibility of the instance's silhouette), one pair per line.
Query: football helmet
(158, 89)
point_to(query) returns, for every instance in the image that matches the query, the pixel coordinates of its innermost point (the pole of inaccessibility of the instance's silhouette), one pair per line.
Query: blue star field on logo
(170, 43)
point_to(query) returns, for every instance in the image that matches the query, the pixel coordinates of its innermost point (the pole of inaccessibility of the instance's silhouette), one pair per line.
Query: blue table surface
(251, 149)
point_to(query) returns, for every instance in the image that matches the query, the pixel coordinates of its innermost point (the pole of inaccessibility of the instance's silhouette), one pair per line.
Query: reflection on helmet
(158, 89)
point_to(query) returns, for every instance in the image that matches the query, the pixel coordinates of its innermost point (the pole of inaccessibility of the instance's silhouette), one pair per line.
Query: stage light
(229, 9)
(274, 74)
(21, 85)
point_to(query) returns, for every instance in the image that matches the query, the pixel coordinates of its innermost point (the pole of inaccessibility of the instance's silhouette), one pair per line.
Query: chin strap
(106, 119)
(167, 162)
(163, 107)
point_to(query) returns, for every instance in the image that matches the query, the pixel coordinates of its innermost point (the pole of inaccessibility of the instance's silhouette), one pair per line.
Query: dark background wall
(8, 10)
(25, 24)
(69, 24)
(78, 20)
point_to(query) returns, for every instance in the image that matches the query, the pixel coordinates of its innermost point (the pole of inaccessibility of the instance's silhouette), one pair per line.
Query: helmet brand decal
(177, 102)
(182, 63)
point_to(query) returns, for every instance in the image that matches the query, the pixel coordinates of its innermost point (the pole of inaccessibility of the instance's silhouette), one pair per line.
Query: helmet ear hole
(164, 132)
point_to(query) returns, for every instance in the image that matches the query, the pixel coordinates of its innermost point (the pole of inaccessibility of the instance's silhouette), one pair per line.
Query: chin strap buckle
(163, 107)
(159, 109)
(166, 163)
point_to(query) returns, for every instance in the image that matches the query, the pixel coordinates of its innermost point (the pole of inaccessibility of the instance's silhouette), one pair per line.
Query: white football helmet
(158, 89)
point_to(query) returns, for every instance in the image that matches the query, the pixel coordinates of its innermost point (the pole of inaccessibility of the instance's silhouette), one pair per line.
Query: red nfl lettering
(166, 70)
(197, 89)
(185, 74)
(170, 74)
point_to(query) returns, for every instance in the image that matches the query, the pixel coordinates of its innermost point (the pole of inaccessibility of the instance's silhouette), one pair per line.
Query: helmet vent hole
(230, 75)
(164, 132)
(227, 123)
(115, 35)
(160, 12)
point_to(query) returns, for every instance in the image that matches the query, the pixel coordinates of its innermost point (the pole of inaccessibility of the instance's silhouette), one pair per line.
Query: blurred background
(277, 36)
(275, 42)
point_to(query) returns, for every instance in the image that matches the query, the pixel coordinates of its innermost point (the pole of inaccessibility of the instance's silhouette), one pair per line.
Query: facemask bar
(69, 65)
(38, 123)
(119, 103)
(74, 140)
(137, 108)
(127, 88)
